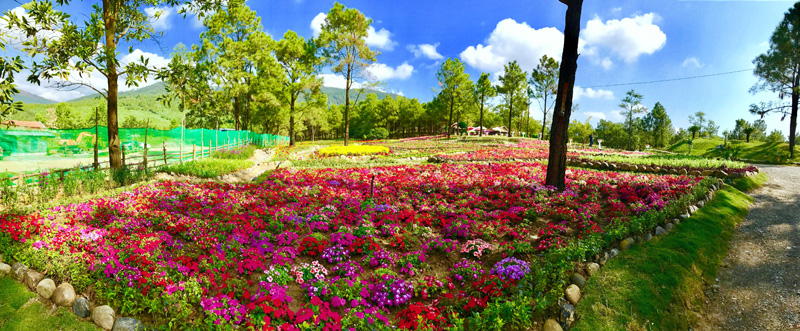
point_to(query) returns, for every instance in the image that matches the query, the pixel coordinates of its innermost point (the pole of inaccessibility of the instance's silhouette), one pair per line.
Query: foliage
(514, 88)
(208, 168)
(241, 153)
(658, 126)
(631, 106)
(543, 86)
(455, 86)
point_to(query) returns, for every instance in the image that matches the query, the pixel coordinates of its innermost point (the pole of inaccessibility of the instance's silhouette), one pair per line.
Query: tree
(557, 159)
(711, 129)
(698, 121)
(87, 47)
(64, 117)
(300, 64)
(8, 67)
(513, 85)
(778, 71)
(694, 129)
(455, 84)
(580, 131)
(748, 130)
(543, 86)
(483, 89)
(658, 125)
(343, 41)
(179, 76)
(631, 105)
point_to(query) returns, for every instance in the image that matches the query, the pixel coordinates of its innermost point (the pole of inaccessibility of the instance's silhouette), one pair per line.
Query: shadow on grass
(659, 285)
(17, 314)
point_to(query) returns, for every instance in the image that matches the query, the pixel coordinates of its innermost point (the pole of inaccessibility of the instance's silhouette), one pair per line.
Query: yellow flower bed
(353, 150)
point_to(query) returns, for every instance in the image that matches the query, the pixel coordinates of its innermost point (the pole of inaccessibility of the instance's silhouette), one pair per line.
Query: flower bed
(310, 248)
(352, 150)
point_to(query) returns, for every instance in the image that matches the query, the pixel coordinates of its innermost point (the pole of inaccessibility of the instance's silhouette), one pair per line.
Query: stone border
(573, 294)
(64, 296)
(619, 166)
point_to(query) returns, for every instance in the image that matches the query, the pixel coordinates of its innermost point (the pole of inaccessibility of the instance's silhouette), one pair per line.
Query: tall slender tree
(543, 86)
(778, 71)
(91, 47)
(454, 82)
(300, 64)
(483, 89)
(513, 85)
(631, 106)
(658, 125)
(343, 41)
(559, 131)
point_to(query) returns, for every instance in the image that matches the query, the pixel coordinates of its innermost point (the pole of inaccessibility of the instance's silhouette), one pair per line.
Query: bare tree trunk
(793, 117)
(510, 111)
(347, 107)
(480, 129)
(236, 113)
(557, 165)
(110, 22)
(450, 122)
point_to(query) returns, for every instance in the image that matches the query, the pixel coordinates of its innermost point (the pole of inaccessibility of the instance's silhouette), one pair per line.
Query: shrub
(208, 168)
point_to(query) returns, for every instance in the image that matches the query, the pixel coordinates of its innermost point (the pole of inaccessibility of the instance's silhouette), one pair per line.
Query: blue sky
(621, 42)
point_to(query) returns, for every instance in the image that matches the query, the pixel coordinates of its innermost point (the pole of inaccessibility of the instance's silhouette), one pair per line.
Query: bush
(242, 153)
(208, 168)
(377, 134)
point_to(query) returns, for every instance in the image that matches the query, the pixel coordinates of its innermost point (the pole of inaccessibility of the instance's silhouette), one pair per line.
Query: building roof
(25, 124)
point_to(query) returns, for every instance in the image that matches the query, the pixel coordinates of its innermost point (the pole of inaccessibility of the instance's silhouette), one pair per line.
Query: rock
(567, 314)
(603, 258)
(644, 168)
(648, 237)
(721, 174)
(701, 203)
(64, 295)
(684, 172)
(5, 269)
(552, 325)
(707, 173)
(81, 307)
(127, 324)
(578, 279)
(613, 253)
(639, 239)
(634, 168)
(626, 244)
(592, 268)
(18, 271)
(668, 227)
(660, 231)
(684, 216)
(657, 169)
(573, 294)
(103, 316)
(2, 258)
(676, 221)
(32, 278)
(46, 287)
(695, 173)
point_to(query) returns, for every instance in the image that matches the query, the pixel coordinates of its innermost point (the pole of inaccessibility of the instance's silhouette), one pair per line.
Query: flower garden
(423, 246)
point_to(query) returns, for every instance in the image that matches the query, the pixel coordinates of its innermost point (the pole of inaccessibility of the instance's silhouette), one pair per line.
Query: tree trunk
(557, 165)
(347, 108)
(510, 110)
(544, 118)
(110, 21)
(793, 116)
(748, 138)
(236, 113)
(291, 121)
(450, 121)
(480, 129)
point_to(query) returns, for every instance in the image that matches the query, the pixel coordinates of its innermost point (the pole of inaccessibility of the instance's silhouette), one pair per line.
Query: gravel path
(759, 283)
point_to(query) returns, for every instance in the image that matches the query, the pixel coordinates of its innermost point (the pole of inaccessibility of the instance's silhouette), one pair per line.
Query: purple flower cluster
(286, 238)
(511, 268)
(380, 259)
(390, 291)
(224, 307)
(342, 238)
(466, 270)
(335, 254)
(349, 269)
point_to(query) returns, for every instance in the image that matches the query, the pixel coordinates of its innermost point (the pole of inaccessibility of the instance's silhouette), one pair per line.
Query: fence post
(144, 155)
(194, 152)
(123, 156)
(201, 148)
(209, 148)
(164, 144)
(96, 139)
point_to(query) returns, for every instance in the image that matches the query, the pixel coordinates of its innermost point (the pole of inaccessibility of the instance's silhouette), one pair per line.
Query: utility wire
(671, 80)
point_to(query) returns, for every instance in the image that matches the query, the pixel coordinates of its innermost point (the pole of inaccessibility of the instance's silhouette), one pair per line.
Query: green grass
(754, 151)
(748, 184)
(242, 153)
(659, 285)
(668, 160)
(16, 315)
(208, 168)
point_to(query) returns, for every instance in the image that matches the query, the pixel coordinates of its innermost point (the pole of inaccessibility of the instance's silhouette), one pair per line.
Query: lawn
(754, 151)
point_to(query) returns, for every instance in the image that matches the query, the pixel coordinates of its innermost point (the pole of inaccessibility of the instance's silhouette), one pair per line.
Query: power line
(671, 80)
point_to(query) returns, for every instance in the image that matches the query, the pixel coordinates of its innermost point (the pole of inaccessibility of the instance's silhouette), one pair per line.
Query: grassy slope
(659, 285)
(754, 151)
(16, 315)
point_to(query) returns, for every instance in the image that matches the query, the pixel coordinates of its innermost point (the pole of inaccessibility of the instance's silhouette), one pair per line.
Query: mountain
(27, 97)
(336, 96)
(154, 90)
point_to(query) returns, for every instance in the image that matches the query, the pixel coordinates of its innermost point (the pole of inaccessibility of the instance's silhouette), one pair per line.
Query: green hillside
(754, 151)
(27, 97)
(141, 104)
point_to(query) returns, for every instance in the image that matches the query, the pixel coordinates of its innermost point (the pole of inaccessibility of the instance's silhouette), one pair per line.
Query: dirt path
(759, 283)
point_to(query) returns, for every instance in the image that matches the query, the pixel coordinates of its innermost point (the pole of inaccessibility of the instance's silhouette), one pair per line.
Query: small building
(34, 125)
(499, 130)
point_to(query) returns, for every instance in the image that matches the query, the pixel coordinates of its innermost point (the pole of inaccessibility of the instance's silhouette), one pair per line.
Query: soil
(758, 287)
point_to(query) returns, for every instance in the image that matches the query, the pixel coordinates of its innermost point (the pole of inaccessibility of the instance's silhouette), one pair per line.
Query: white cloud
(316, 24)
(162, 22)
(15, 37)
(381, 39)
(627, 38)
(692, 62)
(337, 81)
(514, 41)
(606, 63)
(616, 115)
(384, 72)
(591, 93)
(425, 50)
